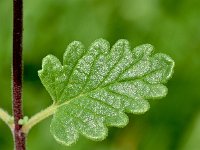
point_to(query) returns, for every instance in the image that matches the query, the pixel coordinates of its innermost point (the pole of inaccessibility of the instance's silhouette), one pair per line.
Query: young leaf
(94, 88)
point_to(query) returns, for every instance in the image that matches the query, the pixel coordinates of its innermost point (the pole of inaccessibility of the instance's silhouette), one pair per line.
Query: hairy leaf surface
(94, 87)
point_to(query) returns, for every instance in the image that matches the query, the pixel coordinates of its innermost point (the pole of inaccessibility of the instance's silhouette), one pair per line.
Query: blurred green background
(172, 26)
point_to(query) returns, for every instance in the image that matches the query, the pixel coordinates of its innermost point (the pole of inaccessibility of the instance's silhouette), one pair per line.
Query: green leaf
(94, 88)
(23, 121)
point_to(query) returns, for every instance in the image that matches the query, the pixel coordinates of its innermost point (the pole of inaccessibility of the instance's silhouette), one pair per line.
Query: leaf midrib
(97, 89)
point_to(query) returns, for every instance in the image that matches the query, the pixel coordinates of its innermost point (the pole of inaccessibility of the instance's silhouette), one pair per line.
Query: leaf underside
(94, 87)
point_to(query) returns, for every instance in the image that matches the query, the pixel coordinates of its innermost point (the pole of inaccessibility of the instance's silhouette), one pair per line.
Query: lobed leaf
(94, 88)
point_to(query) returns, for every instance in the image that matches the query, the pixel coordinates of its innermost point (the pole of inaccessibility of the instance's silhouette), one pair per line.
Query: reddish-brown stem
(19, 137)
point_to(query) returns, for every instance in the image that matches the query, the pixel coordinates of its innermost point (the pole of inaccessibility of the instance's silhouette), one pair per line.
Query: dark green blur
(172, 26)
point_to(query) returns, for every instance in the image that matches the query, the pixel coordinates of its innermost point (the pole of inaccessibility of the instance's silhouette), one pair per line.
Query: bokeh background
(172, 26)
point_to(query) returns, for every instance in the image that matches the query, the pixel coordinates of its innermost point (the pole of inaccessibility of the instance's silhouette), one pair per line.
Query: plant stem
(19, 136)
(38, 117)
(6, 118)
